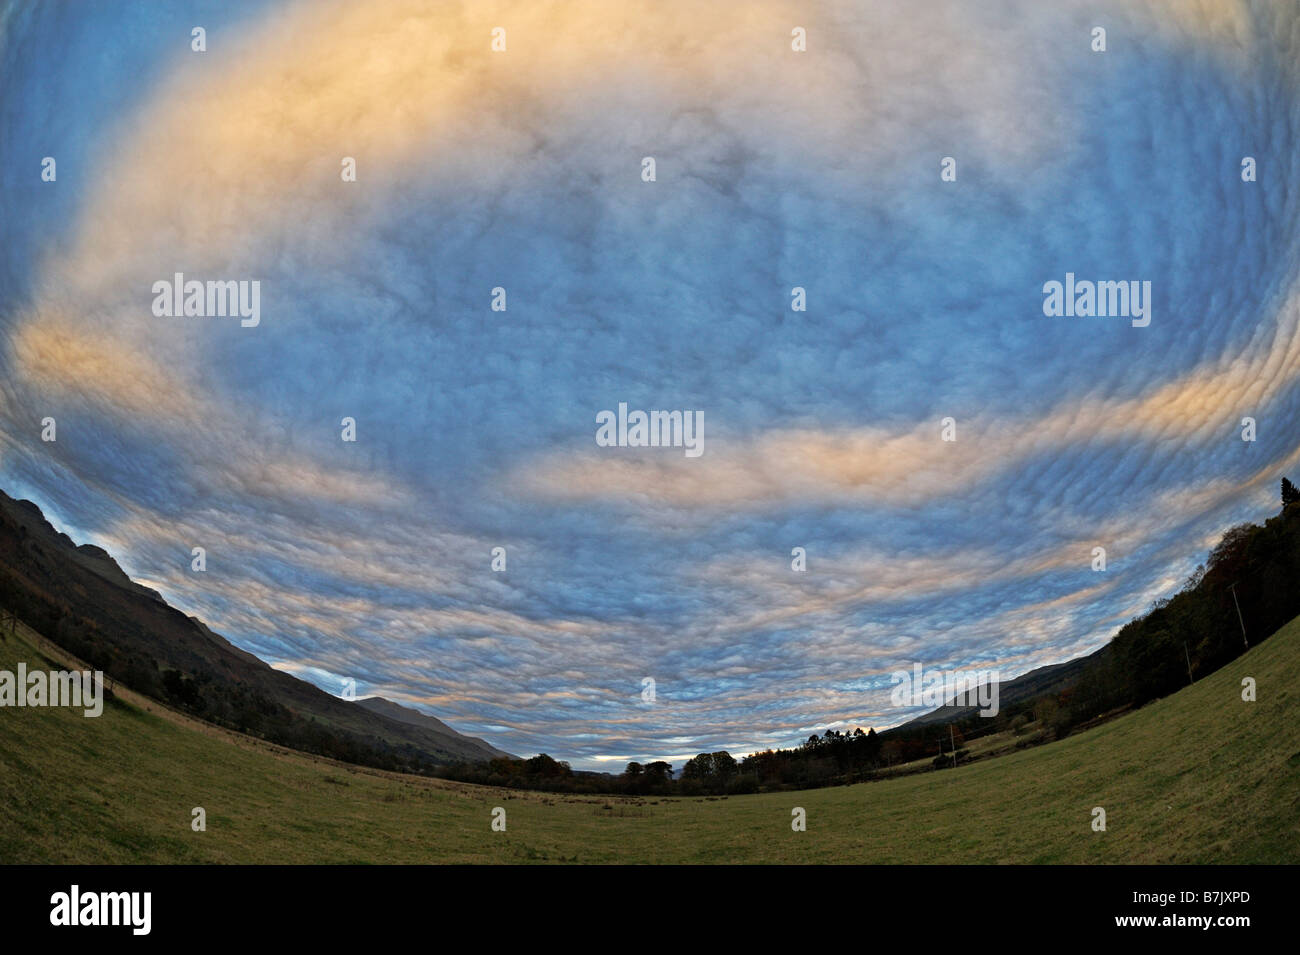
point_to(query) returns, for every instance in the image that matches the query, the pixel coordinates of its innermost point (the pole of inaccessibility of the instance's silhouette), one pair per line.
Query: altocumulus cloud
(370, 560)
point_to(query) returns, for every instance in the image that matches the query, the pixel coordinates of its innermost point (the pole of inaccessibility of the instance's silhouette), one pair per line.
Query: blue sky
(475, 429)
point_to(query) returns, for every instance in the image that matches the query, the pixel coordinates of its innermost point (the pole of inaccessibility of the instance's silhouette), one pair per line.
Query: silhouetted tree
(658, 772)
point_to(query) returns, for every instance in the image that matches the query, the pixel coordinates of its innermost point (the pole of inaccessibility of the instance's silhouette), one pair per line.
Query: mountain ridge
(1050, 678)
(90, 606)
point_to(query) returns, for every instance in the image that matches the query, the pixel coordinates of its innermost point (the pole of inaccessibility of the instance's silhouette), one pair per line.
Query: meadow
(1200, 776)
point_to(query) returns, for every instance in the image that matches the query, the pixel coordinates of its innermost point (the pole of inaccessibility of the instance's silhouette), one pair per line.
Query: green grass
(1198, 777)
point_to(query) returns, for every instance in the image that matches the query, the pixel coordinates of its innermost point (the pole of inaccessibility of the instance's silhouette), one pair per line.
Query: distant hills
(413, 717)
(79, 597)
(1046, 680)
(1248, 587)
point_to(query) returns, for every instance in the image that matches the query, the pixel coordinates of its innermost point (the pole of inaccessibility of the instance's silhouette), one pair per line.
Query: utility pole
(1189, 664)
(1233, 588)
(953, 743)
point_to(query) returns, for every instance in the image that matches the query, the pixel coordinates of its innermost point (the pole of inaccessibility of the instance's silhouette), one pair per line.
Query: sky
(522, 169)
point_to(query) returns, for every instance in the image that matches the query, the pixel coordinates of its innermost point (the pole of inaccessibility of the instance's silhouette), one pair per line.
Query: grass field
(1198, 777)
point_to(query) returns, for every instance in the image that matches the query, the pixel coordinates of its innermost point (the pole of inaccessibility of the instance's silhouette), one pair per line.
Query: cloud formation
(475, 428)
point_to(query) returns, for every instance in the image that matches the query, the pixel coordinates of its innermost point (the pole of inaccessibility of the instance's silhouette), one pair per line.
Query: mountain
(413, 717)
(82, 599)
(1044, 680)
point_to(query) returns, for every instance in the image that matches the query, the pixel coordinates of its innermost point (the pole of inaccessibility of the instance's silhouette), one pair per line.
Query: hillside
(1244, 591)
(413, 717)
(1198, 776)
(84, 602)
(1049, 679)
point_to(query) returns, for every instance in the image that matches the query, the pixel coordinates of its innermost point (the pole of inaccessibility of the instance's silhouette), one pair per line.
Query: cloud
(1200, 409)
(475, 428)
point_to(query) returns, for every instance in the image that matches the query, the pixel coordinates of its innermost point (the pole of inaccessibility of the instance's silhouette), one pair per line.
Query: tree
(658, 772)
(546, 767)
(724, 765)
(1230, 551)
(700, 767)
(891, 752)
(1289, 494)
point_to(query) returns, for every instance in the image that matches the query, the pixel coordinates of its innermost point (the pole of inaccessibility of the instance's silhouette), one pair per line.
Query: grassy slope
(1198, 777)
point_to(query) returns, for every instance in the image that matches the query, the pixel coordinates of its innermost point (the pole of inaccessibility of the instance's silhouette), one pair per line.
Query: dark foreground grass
(1199, 777)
